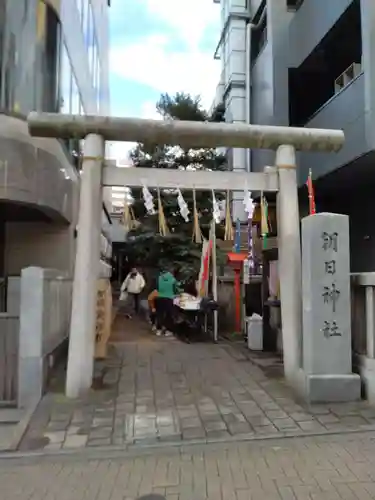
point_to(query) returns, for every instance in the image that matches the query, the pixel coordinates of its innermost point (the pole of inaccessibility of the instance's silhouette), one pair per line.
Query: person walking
(168, 288)
(133, 285)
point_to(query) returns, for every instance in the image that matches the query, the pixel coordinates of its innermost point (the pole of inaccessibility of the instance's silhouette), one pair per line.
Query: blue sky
(160, 46)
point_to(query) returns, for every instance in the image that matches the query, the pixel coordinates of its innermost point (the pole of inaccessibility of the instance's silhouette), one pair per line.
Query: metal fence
(9, 338)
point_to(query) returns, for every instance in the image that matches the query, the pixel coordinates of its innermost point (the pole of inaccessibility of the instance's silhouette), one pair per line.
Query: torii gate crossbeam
(188, 179)
(186, 133)
(96, 130)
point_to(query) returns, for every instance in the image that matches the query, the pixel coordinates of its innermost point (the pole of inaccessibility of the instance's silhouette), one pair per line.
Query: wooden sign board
(103, 318)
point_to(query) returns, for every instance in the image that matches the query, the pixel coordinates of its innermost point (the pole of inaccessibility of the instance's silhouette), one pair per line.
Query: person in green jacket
(168, 288)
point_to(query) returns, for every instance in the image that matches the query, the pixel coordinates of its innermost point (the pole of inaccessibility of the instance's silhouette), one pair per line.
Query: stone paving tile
(170, 391)
(313, 468)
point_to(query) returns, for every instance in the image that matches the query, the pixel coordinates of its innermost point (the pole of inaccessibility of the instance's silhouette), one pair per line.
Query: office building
(308, 63)
(54, 58)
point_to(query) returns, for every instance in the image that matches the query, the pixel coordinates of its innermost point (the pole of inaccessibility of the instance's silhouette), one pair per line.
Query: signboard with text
(103, 318)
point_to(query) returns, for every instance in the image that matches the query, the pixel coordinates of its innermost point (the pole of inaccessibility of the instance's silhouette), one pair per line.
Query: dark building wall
(292, 39)
(2, 245)
(310, 24)
(360, 206)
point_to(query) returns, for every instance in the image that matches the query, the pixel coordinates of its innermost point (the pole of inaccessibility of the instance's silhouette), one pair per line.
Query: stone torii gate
(281, 178)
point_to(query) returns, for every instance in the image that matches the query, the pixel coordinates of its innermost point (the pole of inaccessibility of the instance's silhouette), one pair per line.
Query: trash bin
(254, 330)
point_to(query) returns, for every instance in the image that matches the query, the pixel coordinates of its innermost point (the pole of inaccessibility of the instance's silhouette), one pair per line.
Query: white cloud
(151, 63)
(188, 18)
(153, 60)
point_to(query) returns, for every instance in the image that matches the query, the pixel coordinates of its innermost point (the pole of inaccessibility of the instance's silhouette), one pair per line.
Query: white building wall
(232, 86)
(268, 103)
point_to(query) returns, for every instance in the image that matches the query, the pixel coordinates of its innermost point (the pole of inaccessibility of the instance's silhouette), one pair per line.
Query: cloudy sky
(160, 46)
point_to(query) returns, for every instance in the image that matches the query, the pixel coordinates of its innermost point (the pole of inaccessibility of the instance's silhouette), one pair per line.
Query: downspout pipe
(250, 27)
(248, 87)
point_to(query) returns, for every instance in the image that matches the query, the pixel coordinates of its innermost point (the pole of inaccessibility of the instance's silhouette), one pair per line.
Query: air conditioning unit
(347, 76)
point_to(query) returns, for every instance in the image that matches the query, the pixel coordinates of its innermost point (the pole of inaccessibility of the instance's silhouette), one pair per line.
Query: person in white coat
(133, 285)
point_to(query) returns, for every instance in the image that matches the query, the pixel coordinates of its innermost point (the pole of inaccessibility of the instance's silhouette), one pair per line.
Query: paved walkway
(329, 468)
(159, 390)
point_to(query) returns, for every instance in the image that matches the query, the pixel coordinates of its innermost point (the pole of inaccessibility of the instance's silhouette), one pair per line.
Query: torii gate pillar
(82, 323)
(290, 272)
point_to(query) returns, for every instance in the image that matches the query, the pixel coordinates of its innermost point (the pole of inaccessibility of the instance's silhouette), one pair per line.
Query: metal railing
(9, 338)
(363, 314)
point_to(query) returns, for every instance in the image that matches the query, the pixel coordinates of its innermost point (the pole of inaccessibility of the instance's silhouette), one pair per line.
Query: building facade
(54, 58)
(308, 63)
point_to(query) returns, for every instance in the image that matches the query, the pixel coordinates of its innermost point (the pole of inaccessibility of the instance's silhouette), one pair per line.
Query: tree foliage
(178, 247)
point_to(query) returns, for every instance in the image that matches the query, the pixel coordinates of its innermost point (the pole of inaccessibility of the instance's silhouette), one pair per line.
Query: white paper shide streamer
(216, 212)
(249, 204)
(148, 201)
(184, 209)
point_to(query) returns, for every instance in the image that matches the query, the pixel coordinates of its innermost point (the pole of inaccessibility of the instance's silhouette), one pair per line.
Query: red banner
(310, 189)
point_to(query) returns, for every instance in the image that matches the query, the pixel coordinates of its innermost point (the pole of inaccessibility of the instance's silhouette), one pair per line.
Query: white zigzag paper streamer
(249, 204)
(184, 209)
(216, 212)
(148, 201)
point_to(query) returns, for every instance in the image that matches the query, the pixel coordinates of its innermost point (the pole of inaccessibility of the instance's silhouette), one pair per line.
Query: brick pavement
(162, 390)
(319, 468)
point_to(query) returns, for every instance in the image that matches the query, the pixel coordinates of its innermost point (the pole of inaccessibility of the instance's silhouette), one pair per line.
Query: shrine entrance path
(159, 391)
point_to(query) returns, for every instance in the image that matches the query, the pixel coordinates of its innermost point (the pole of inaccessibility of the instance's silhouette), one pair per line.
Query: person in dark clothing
(167, 289)
(152, 300)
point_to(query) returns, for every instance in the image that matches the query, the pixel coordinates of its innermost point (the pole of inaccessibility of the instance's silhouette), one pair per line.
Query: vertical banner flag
(163, 228)
(264, 220)
(205, 266)
(310, 189)
(228, 235)
(249, 208)
(197, 234)
(237, 237)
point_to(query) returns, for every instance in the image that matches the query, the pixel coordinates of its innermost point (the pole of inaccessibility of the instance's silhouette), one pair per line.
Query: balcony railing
(347, 77)
(363, 328)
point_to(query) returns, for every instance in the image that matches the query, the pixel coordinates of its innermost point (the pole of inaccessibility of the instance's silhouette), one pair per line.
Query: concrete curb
(128, 451)
(20, 430)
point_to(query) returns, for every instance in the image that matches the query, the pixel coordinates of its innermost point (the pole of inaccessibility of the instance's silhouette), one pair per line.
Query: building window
(51, 66)
(92, 46)
(2, 33)
(10, 74)
(97, 83)
(65, 82)
(85, 15)
(76, 99)
(89, 28)
(80, 9)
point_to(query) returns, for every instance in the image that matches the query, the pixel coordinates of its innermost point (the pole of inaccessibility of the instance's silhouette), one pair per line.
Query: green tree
(144, 243)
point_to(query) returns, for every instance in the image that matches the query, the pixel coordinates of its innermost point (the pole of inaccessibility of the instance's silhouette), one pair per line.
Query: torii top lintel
(184, 133)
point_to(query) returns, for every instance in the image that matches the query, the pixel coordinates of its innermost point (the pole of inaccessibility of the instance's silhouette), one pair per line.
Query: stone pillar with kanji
(327, 351)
